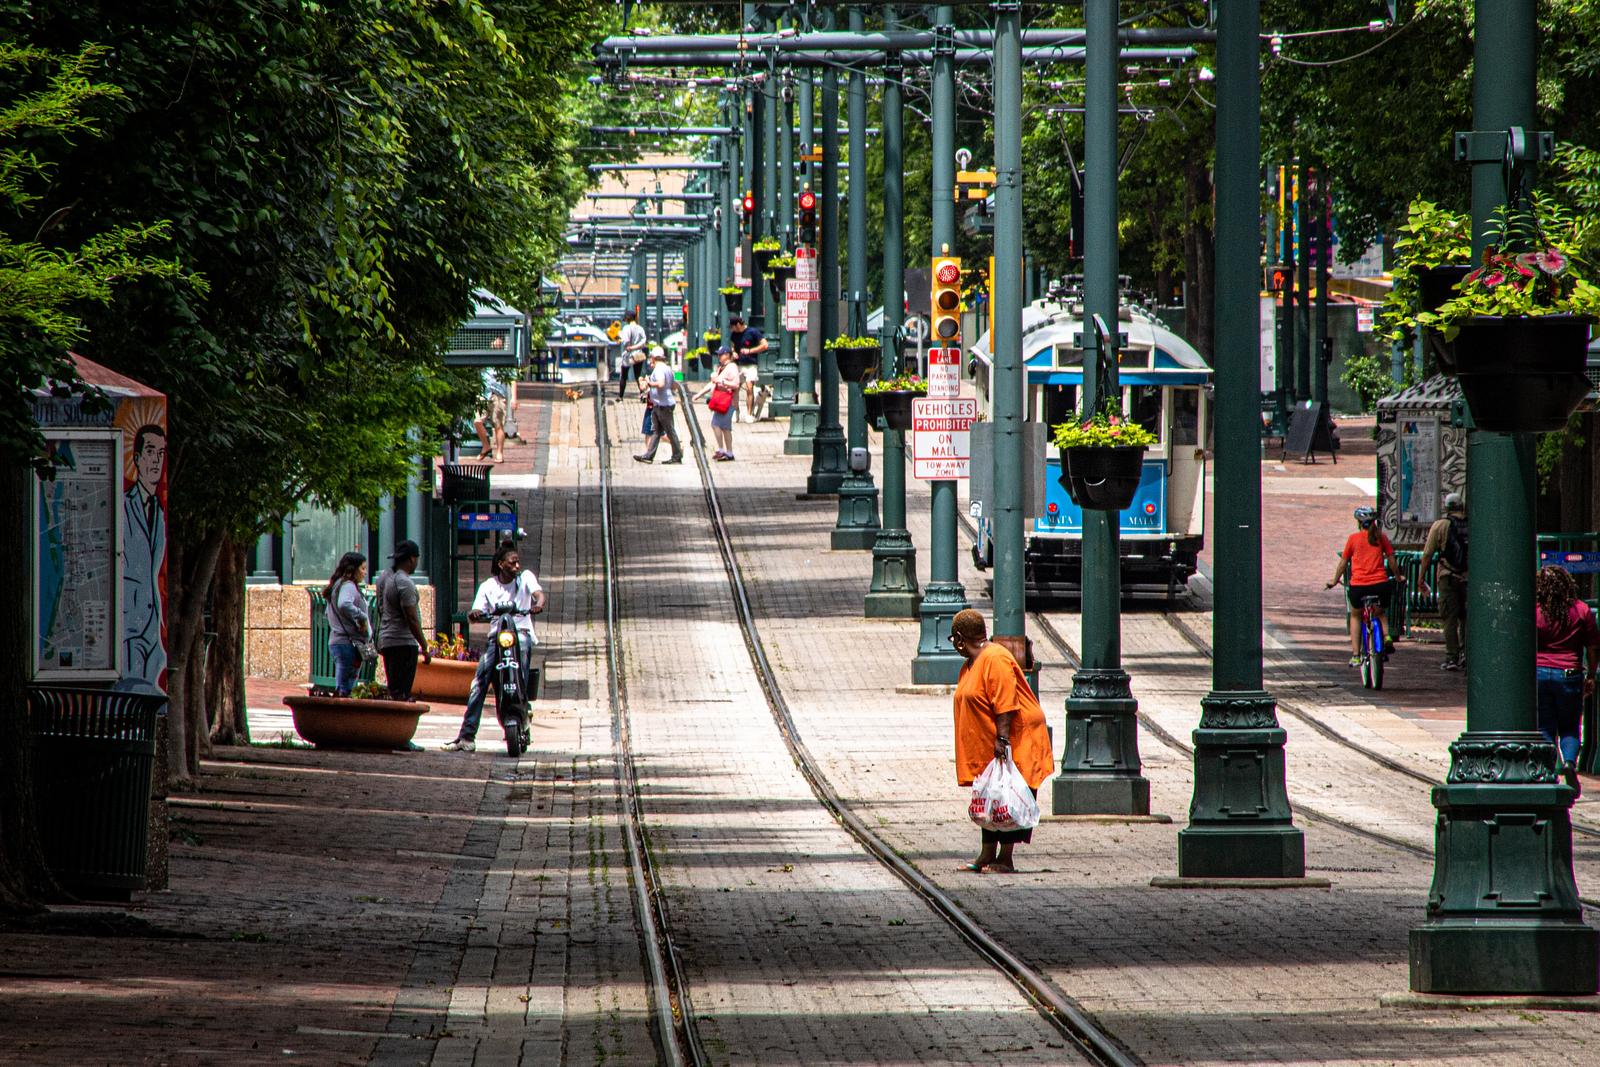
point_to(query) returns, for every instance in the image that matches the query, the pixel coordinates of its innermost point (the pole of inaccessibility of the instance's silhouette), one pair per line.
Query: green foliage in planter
(908, 383)
(1430, 237)
(1108, 428)
(766, 244)
(847, 342)
(730, 290)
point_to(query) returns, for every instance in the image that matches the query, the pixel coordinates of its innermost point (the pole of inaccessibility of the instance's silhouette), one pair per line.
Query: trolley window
(1185, 417)
(1144, 407)
(1060, 403)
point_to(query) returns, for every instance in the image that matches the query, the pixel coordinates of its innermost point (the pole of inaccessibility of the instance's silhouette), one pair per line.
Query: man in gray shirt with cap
(400, 626)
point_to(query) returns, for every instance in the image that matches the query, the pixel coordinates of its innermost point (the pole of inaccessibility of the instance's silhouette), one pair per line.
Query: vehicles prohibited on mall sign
(941, 437)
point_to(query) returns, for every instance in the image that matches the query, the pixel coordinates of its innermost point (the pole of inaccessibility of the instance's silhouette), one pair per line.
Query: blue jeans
(346, 665)
(1560, 708)
(483, 682)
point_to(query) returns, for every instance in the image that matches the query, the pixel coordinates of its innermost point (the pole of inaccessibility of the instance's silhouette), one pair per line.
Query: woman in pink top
(1566, 633)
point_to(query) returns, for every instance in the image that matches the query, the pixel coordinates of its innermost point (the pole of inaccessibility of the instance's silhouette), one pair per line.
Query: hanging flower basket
(713, 340)
(762, 256)
(855, 360)
(1523, 374)
(872, 405)
(1437, 285)
(1102, 479)
(896, 410)
(734, 300)
(778, 276)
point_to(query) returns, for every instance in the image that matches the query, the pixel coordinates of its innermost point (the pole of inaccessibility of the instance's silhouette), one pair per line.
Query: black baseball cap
(405, 550)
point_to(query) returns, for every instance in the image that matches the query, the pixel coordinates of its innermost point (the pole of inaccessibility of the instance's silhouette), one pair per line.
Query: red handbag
(721, 400)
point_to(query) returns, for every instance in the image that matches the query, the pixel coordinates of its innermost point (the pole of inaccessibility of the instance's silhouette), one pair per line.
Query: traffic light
(808, 216)
(1275, 277)
(946, 302)
(747, 212)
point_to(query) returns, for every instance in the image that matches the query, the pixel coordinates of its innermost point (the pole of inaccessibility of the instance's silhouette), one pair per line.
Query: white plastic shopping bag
(1001, 799)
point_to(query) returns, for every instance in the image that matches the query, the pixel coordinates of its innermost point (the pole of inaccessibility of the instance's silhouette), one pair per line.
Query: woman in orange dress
(995, 710)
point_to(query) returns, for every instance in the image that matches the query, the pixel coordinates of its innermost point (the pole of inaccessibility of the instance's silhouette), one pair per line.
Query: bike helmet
(1366, 516)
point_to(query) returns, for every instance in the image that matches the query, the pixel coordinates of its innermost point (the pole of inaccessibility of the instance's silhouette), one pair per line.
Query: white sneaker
(460, 744)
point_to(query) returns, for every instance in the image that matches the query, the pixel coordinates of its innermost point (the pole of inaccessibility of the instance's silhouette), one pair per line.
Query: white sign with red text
(797, 299)
(941, 437)
(805, 265)
(944, 372)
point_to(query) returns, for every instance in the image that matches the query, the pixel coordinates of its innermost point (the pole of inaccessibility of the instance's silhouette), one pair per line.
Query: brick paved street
(437, 908)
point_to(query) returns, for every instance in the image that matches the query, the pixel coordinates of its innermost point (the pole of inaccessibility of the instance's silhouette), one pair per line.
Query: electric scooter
(510, 694)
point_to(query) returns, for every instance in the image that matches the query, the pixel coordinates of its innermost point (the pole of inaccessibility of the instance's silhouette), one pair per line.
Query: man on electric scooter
(508, 584)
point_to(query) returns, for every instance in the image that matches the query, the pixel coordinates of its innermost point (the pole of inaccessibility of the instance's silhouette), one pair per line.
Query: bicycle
(1373, 649)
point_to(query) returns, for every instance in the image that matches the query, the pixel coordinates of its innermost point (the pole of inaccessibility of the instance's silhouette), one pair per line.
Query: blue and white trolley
(1165, 385)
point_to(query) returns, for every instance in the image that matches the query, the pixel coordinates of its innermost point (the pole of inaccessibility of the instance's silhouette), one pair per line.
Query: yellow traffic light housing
(945, 305)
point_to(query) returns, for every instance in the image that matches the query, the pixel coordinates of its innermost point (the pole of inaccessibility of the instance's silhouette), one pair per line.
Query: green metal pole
(1286, 353)
(828, 448)
(727, 227)
(1302, 352)
(773, 223)
(1007, 387)
(1322, 347)
(936, 662)
(1240, 824)
(806, 344)
(1100, 771)
(755, 178)
(893, 593)
(785, 369)
(1503, 912)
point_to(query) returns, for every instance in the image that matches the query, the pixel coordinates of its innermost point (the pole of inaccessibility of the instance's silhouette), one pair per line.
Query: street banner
(944, 373)
(941, 437)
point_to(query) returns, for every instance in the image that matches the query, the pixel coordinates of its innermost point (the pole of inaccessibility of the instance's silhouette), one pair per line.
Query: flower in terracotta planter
(451, 647)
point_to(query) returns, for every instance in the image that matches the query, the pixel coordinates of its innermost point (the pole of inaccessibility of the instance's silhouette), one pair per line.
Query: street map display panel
(77, 550)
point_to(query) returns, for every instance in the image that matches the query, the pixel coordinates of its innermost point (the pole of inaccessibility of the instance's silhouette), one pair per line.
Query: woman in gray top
(347, 620)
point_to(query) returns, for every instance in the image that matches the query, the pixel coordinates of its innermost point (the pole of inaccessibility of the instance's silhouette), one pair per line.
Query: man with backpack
(1447, 543)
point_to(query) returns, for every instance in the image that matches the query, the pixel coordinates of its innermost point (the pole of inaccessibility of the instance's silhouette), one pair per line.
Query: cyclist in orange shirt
(1368, 559)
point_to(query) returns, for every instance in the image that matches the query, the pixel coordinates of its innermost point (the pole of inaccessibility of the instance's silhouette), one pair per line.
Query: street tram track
(1070, 1019)
(673, 1024)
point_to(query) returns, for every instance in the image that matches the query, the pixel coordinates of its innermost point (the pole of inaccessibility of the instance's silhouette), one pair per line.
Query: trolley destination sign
(941, 437)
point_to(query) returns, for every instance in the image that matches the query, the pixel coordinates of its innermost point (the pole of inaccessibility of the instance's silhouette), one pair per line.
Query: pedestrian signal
(808, 216)
(1275, 278)
(946, 302)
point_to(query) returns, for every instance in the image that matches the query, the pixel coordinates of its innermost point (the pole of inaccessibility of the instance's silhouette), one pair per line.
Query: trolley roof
(1158, 356)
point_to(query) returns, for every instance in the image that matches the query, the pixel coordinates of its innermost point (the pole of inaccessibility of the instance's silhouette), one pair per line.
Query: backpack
(1455, 546)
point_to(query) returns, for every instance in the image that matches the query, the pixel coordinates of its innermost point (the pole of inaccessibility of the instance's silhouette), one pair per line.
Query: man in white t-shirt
(663, 402)
(508, 584)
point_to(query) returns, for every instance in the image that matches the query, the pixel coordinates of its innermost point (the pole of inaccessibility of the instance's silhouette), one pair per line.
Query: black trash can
(464, 481)
(93, 755)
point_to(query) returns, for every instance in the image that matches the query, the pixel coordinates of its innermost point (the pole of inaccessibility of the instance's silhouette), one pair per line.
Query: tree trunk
(193, 565)
(24, 879)
(225, 664)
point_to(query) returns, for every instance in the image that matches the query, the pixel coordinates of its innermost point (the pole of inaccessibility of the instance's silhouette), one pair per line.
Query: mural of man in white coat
(144, 551)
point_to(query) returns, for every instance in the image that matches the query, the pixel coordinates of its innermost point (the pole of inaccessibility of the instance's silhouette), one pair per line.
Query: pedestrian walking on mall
(1567, 635)
(996, 711)
(348, 626)
(723, 388)
(494, 408)
(399, 625)
(634, 345)
(748, 344)
(662, 405)
(1447, 543)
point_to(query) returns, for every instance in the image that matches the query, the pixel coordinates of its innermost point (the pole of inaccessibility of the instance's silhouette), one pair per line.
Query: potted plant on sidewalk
(449, 675)
(1519, 322)
(366, 719)
(733, 297)
(855, 356)
(1102, 458)
(895, 395)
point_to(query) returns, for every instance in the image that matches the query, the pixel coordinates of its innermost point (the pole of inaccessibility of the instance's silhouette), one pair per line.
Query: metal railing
(321, 658)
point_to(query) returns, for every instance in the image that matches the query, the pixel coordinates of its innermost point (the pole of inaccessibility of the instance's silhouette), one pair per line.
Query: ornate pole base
(937, 662)
(829, 463)
(1503, 911)
(785, 386)
(893, 594)
(804, 414)
(1240, 825)
(857, 525)
(1100, 769)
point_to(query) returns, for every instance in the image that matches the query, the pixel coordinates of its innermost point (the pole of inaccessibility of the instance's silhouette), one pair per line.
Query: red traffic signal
(808, 201)
(946, 302)
(748, 205)
(949, 272)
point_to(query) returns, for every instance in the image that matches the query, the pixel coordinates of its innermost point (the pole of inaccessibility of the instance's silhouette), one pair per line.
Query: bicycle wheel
(1366, 665)
(1375, 642)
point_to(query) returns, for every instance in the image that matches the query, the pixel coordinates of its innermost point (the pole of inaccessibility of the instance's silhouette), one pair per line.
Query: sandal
(970, 868)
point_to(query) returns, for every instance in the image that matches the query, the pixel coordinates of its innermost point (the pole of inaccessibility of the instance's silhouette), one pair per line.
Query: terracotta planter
(1523, 374)
(1102, 479)
(444, 679)
(897, 408)
(344, 722)
(855, 363)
